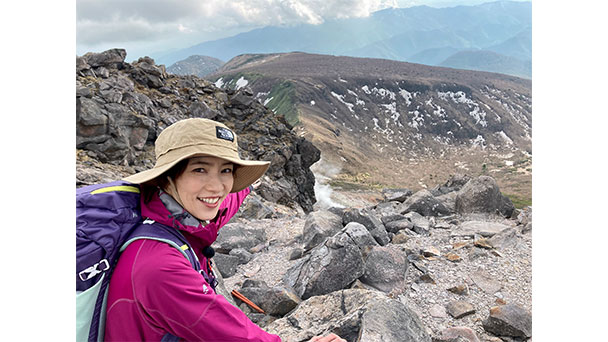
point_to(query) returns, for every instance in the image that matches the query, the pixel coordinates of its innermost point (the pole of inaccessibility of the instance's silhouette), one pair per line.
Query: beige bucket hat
(197, 136)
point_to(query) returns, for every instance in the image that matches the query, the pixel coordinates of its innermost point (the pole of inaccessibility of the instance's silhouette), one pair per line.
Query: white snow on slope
(241, 82)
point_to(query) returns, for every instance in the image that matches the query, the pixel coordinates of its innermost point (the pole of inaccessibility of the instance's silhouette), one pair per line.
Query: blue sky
(145, 27)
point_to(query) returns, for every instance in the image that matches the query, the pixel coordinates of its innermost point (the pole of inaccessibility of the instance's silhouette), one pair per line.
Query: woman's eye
(227, 170)
(199, 170)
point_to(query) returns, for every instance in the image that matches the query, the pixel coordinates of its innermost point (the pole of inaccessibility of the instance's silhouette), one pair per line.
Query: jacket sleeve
(232, 203)
(176, 298)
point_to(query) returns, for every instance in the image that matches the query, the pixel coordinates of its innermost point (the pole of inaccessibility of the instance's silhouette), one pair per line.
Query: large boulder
(332, 265)
(424, 203)
(356, 315)
(369, 220)
(385, 269)
(318, 226)
(238, 235)
(482, 195)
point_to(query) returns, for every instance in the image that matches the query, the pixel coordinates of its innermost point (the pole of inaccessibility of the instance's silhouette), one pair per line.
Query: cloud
(121, 21)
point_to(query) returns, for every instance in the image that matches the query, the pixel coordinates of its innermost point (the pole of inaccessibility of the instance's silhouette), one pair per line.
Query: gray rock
(509, 320)
(420, 224)
(107, 58)
(396, 226)
(254, 208)
(238, 235)
(329, 267)
(506, 238)
(424, 203)
(355, 233)
(354, 314)
(460, 308)
(482, 195)
(486, 282)
(366, 218)
(226, 264)
(276, 301)
(385, 269)
(318, 226)
(398, 195)
(483, 228)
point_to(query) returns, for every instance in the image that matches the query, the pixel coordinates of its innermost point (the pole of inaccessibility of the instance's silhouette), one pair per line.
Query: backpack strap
(152, 230)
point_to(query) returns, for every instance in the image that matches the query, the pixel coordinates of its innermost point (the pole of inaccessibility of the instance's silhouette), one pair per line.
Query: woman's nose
(214, 182)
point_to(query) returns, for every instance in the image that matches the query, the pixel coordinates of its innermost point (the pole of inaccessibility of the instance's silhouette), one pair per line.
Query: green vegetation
(518, 201)
(282, 101)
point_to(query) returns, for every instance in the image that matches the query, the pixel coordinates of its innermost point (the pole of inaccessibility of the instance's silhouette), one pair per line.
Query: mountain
(195, 65)
(388, 122)
(403, 34)
(489, 61)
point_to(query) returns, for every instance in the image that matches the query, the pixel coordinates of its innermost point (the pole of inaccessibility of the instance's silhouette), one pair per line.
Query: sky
(149, 27)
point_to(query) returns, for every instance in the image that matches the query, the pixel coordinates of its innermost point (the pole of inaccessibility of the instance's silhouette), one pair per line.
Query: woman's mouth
(209, 201)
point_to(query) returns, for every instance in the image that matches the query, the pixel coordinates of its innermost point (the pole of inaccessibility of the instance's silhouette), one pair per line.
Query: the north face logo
(224, 133)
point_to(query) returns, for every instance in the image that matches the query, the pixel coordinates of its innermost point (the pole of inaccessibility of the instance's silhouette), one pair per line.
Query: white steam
(324, 172)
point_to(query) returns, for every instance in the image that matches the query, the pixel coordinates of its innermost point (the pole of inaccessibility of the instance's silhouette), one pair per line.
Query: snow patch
(220, 82)
(241, 82)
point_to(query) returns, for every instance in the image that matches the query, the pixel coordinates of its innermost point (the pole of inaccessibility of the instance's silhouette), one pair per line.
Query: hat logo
(224, 133)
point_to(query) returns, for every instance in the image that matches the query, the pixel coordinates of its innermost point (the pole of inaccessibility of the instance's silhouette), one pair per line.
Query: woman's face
(204, 184)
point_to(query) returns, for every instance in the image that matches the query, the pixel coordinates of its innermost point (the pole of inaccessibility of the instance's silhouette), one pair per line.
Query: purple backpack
(108, 218)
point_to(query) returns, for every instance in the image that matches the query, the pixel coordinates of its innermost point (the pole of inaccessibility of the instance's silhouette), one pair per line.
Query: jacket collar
(164, 209)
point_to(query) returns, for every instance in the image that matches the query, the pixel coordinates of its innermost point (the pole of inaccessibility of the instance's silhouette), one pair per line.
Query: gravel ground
(492, 276)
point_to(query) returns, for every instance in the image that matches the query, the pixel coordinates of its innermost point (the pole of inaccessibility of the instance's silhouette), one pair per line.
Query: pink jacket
(154, 290)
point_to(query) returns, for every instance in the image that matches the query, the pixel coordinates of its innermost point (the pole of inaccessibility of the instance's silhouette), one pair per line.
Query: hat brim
(248, 171)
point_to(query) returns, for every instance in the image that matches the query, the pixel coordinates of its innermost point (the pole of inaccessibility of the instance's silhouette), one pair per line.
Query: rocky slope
(121, 108)
(448, 264)
(427, 122)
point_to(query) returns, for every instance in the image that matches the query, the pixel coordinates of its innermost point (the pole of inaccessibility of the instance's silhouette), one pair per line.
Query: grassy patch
(519, 202)
(283, 101)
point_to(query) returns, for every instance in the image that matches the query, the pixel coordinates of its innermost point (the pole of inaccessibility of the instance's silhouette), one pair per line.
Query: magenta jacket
(154, 289)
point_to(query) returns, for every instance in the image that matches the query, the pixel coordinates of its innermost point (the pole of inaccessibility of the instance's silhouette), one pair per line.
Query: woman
(197, 184)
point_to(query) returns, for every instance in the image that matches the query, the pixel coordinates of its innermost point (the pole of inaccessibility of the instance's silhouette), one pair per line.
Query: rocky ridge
(394, 270)
(122, 107)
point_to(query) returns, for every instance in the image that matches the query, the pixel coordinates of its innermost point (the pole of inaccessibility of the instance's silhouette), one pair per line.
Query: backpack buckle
(94, 270)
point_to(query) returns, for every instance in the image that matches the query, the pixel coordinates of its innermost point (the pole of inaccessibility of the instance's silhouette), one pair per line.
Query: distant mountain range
(491, 37)
(363, 113)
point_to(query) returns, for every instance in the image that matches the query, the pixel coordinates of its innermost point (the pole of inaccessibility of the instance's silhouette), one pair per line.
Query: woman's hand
(329, 338)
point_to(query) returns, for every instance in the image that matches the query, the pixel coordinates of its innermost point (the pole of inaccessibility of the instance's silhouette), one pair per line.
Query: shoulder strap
(152, 230)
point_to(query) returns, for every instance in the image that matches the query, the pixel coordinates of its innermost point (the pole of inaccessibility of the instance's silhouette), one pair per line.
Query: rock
(318, 226)
(424, 203)
(254, 208)
(329, 267)
(482, 243)
(486, 282)
(463, 334)
(483, 228)
(482, 195)
(357, 234)
(238, 235)
(453, 257)
(109, 58)
(438, 311)
(431, 252)
(354, 315)
(276, 301)
(506, 238)
(296, 253)
(509, 320)
(385, 269)
(396, 226)
(400, 238)
(226, 264)
(366, 218)
(421, 225)
(460, 308)
(398, 195)
(462, 289)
